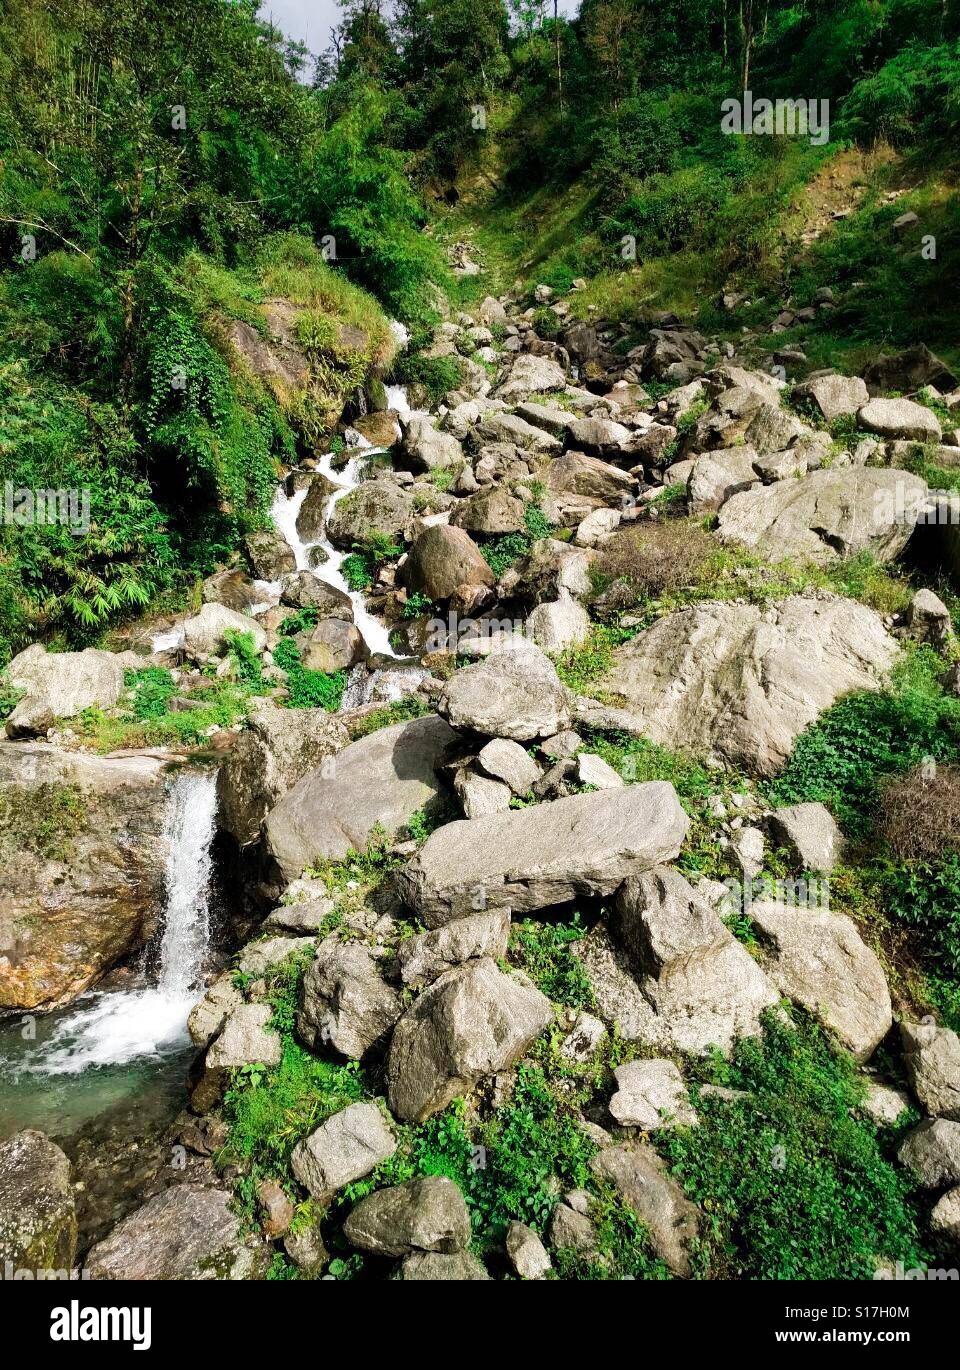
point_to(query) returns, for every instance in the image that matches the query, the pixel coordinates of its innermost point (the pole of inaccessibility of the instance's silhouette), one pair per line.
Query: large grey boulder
(811, 834)
(576, 473)
(246, 1039)
(901, 419)
(526, 1251)
(204, 634)
(931, 1056)
(83, 845)
(742, 681)
(346, 1147)
(494, 511)
(669, 973)
(38, 1221)
(60, 685)
(507, 761)
(426, 449)
(440, 1265)
(932, 1151)
(441, 560)
(345, 1004)
(333, 645)
(276, 750)
(945, 1214)
(525, 859)
(838, 512)
(473, 1021)
(189, 1232)
(558, 624)
(382, 779)
(514, 692)
(269, 554)
(715, 476)
(835, 396)
(818, 959)
(911, 369)
(427, 955)
(304, 590)
(641, 1179)
(209, 1015)
(510, 428)
(421, 1215)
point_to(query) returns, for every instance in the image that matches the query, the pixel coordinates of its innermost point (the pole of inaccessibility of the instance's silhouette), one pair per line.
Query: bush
(308, 689)
(841, 759)
(437, 375)
(920, 813)
(544, 951)
(654, 559)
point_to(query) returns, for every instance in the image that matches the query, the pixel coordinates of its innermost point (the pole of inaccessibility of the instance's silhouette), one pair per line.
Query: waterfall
(285, 511)
(116, 1027)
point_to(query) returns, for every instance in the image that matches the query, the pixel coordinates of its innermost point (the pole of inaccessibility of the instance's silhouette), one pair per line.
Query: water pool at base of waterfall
(143, 1088)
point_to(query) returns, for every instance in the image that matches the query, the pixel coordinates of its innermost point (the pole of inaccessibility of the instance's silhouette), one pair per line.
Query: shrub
(308, 689)
(920, 813)
(841, 758)
(544, 951)
(654, 559)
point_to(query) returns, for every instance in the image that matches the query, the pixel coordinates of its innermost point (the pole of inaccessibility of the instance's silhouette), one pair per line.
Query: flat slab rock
(189, 1232)
(742, 681)
(382, 779)
(531, 858)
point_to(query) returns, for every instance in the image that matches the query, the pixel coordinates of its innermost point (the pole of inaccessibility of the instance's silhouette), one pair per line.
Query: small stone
(527, 1253)
(594, 771)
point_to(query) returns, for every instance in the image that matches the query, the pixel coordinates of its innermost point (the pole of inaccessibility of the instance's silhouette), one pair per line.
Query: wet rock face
(83, 854)
(38, 1223)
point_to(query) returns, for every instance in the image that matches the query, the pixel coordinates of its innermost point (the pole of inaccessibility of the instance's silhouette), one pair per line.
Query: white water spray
(113, 1028)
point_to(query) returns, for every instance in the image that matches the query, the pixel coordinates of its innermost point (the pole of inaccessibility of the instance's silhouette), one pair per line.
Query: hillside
(480, 783)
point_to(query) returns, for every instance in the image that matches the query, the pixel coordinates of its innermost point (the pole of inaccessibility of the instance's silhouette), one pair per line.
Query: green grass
(793, 1185)
(840, 759)
(544, 951)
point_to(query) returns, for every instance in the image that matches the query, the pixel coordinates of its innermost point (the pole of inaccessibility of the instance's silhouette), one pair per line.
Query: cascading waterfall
(108, 1029)
(285, 511)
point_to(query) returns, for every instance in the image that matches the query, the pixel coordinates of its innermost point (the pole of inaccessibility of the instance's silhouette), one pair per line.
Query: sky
(312, 20)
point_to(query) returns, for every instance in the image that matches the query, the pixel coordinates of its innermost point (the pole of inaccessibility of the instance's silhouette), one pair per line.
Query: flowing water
(113, 1046)
(285, 510)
